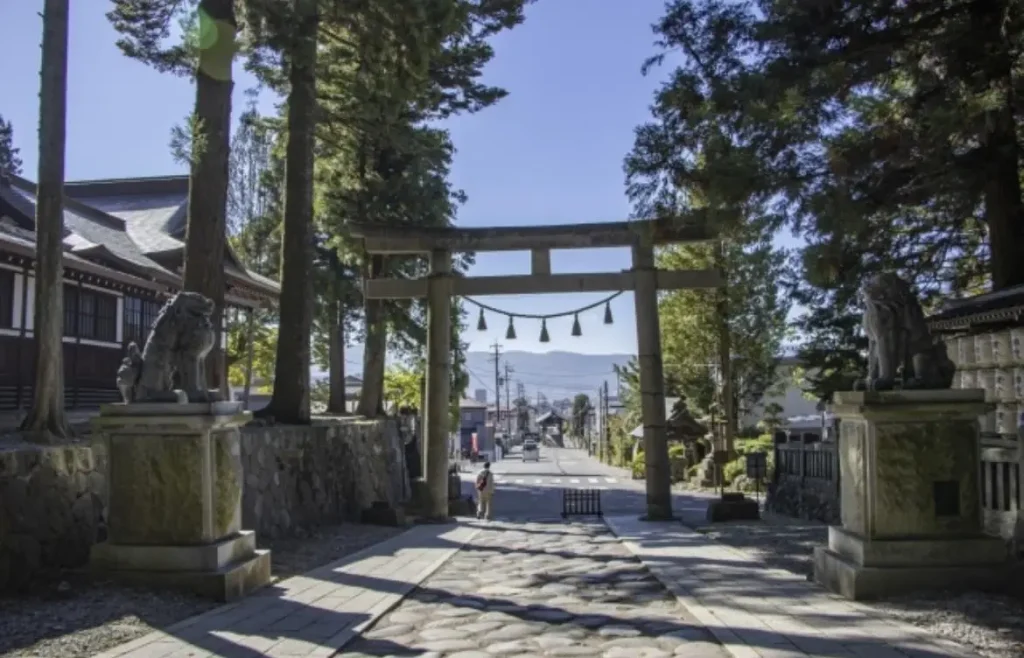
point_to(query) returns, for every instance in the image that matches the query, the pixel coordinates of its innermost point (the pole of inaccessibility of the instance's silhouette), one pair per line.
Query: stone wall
(297, 478)
(816, 500)
(52, 500)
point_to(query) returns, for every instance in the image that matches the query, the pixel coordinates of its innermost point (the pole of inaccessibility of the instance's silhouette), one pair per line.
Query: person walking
(485, 492)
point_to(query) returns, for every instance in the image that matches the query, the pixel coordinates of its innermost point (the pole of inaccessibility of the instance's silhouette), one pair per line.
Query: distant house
(123, 257)
(791, 396)
(472, 420)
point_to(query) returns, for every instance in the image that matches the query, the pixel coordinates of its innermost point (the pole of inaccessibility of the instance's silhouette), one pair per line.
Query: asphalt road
(529, 491)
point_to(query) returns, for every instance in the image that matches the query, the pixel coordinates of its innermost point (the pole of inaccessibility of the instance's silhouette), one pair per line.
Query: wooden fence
(798, 460)
(806, 480)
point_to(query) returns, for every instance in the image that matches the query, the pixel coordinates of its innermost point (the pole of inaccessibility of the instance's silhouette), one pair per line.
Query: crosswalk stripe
(592, 480)
(574, 481)
(538, 481)
(520, 481)
(610, 480)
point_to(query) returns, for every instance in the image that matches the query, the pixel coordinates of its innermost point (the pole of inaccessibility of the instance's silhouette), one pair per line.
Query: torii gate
(644, 279)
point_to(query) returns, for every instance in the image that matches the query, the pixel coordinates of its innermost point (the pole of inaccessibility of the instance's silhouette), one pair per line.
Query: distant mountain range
(556, 375)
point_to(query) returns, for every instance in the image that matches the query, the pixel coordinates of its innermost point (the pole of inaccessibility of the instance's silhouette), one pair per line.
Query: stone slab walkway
(539, 589)
(759, 612)
(312, 615)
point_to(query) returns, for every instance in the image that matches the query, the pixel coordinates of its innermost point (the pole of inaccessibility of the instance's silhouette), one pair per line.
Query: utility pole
(497, 384)
(508, 399)
(605, 434)
(600, 424)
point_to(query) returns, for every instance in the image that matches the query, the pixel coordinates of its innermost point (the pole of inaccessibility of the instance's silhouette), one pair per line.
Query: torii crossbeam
(644, 279)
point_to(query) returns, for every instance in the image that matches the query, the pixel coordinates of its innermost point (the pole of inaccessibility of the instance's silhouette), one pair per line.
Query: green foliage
(10, 163)
(677, 462)
(772, 419)
(883, 134)
(638, 465)
(264, 350)
(738, 467)
(580, 408)
(402, 386)
(756, 312)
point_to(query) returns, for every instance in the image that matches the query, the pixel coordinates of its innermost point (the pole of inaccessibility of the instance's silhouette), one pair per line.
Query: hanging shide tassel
(576, 329)
(481, 324)
(511, 333)
(544, 338)
(608, 313)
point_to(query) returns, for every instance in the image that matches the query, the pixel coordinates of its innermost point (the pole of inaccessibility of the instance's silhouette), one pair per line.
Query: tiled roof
(130, 220)
(990, 308)
(90, 232)
(21, 241)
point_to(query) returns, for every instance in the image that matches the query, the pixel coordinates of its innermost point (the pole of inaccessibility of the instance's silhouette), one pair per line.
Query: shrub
(639, 466)
(677, 462)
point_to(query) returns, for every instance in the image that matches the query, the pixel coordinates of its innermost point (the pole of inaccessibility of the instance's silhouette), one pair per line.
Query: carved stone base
(910, 496)
(224, 571)
(865, 570)
(175, 487)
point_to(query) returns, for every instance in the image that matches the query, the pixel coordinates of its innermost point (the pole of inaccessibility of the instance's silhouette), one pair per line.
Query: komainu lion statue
(172, 365)
(901, 349)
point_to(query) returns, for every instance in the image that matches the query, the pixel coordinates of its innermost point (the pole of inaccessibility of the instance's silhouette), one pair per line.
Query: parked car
(531, 451)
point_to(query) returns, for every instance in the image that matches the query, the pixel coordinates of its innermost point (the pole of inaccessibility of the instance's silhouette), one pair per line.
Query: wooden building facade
(123, 257)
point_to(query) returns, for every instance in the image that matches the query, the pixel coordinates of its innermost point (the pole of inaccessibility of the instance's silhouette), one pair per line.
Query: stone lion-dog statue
(901, 349)
(174, 353)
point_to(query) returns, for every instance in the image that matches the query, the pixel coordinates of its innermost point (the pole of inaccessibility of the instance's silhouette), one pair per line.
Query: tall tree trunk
(46, 420)
(290, 401)
(1004, 209)
(725, 349)
(206, 239)
(336, 355)
(371, 397)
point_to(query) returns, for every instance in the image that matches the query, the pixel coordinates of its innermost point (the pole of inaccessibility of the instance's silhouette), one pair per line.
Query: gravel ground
(993, 625)
(76, 618)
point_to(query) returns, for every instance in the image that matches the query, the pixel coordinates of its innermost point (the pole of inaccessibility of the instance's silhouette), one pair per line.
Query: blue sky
(551, 152)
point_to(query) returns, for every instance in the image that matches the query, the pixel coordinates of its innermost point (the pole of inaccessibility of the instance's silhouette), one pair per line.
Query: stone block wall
(297, 478)
(52, 501)
(814, 500)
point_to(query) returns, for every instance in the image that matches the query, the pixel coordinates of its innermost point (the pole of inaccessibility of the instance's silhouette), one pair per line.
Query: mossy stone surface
(156, 489)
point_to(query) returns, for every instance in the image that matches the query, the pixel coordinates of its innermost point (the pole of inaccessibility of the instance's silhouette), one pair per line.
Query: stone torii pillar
(652, 382)
(439, 319)
(644, 280)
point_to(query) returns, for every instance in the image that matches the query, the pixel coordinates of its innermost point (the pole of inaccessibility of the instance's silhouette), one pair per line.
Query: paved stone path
(311, 615)
(540, 589)
(757, 611)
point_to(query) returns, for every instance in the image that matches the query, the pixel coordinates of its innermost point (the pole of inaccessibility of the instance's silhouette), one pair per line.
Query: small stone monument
(175, 470)
(909, 465)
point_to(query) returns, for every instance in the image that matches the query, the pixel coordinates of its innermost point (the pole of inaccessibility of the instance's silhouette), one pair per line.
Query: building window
(6, 299)
(89, 314)
(70, 309)
(139, 316)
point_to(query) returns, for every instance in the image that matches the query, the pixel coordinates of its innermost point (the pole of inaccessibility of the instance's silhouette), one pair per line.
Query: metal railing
(581, 502)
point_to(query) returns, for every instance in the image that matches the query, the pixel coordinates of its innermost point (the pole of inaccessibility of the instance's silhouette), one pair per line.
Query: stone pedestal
(175, 492)
(910, 496)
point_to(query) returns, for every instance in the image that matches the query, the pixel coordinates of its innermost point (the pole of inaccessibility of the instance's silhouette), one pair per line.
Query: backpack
(481, 480)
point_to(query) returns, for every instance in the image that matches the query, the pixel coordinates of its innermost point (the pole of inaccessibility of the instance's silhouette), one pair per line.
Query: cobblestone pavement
(539, 589)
